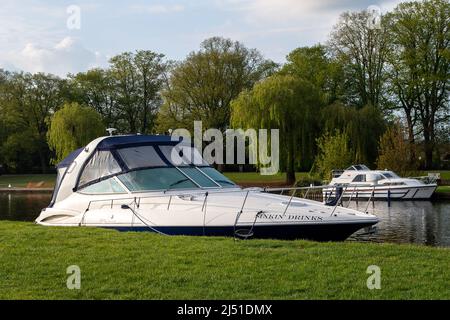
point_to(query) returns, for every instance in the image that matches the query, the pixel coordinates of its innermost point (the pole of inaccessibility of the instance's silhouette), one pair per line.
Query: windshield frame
(198, 186)
(167, 164)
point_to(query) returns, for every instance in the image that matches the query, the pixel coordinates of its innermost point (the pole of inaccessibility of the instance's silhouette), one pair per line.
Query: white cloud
(278, 26)
(67, 56)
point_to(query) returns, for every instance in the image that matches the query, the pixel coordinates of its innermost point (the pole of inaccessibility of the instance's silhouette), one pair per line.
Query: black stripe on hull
(316, 232)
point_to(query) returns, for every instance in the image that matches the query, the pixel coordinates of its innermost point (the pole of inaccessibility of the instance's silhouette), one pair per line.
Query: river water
(419, 222)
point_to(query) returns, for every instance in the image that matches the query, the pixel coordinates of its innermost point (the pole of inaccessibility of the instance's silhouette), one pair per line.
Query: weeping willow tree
(72, 127)
(286, 103)
(363, 126)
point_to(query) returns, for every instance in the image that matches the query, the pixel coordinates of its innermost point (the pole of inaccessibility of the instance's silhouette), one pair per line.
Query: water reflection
(420, 222)
(22, 206)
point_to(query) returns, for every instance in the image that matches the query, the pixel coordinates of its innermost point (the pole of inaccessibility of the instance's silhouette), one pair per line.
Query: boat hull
(315, 232)
(382, 193)
(263, 216)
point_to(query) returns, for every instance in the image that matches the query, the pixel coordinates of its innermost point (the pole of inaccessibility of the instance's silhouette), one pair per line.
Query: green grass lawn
(114, 265)
(445, 175)
(238, 177)
(443, 189)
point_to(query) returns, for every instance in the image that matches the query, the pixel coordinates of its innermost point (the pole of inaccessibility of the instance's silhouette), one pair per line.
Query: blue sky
(34, 35)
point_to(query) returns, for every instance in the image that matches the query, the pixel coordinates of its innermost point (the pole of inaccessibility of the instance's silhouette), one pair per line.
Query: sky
(61, 37)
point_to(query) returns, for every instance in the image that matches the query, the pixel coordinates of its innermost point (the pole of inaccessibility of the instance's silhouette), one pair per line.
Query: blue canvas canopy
(69, 159)
(117, 155)
(117, 142)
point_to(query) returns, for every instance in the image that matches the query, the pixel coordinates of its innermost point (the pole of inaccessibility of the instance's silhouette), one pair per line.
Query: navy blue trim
(123, 166)
(318, 232)
(119, 142)
(69, 159)
(163, 158)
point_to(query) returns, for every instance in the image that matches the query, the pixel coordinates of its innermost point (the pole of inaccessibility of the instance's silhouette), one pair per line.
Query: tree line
(354, 89)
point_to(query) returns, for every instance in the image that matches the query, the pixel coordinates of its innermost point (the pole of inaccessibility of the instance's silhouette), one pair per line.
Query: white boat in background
(358, 181)
(161, 184)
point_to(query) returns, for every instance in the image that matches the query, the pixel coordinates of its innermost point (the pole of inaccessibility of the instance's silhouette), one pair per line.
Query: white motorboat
(358, 181)
(161, 184)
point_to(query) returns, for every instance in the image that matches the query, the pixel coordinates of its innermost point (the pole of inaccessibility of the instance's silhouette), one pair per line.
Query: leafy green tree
(95, 88)
(316, 65)
(204, 84)
(420, 67)
(394, 151)
(362, 49)
(289, 104)
(334, 153)
(72, 127)
(364, 126)
(27, 102)
(137, 80)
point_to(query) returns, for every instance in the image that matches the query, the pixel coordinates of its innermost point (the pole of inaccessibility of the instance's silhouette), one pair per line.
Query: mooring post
(389, 197)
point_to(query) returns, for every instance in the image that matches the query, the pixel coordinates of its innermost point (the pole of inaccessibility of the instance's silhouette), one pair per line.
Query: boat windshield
(358, 167)
(174, 178)
(390, 175)
(152, 167)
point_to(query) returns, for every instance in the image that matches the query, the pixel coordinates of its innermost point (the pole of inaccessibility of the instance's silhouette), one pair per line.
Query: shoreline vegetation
(34, 260)
(46, 182)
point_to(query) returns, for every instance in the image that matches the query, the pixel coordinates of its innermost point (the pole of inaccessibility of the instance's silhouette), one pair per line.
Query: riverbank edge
(210, 267)
(26, 190)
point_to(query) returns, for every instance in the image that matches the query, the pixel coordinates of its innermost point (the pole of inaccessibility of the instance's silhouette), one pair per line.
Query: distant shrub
(395, 152)
(307, 181)
(334, 153)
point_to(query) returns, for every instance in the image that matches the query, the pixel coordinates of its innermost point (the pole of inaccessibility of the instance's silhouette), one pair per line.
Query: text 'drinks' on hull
(161, 184)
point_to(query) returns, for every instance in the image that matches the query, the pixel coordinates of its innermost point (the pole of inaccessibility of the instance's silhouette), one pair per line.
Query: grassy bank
(33, 262)
(256, 177)
(238, 177)
(443, 189)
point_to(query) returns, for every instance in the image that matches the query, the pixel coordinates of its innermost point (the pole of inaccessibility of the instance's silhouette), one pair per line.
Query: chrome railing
(134, 202)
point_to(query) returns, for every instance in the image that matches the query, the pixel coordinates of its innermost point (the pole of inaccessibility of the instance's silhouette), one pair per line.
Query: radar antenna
(111, 131)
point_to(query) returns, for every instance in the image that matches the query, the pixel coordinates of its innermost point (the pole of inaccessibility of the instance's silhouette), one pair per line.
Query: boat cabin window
(141, 157)
(389, 175)
(218, 177)
(149, 168)
(106, 186)
(180, 155)
(169, 178)
(360, 178)
(102, 164)
(199, 177)
(358, 167)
